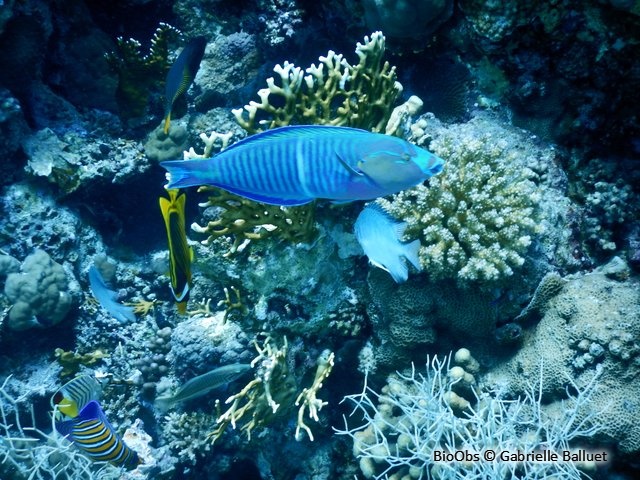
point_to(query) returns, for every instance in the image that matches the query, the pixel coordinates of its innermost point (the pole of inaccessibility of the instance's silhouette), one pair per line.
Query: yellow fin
(167, 122)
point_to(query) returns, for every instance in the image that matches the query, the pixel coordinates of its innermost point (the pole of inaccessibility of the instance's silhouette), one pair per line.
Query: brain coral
(476, 219)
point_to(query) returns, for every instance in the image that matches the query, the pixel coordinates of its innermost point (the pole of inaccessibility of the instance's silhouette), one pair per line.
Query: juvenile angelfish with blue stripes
(297, 164)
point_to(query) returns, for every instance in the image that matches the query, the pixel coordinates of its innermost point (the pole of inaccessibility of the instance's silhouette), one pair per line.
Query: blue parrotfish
(297, 164)
(380, 236)
(180, 253)
(181, 75)
(92, 433)
(74, 395)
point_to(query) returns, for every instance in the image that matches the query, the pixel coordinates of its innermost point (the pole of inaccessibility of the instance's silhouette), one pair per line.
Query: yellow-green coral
(138, 73)
(72, 361)
(333, 92)
(272, 387)
(476, 219)
(245, 220)
(272, 392)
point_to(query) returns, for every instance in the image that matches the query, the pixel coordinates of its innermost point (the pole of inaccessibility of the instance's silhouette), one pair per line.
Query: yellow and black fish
(181, 74)
(180, 254)
(74, 395)
(91, 432)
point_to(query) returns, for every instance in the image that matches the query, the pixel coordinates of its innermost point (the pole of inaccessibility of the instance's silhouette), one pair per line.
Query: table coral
(476, 219)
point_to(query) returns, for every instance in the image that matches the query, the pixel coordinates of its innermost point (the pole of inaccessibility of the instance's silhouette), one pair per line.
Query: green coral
(476, 219)
(334, 92)
(139, 74)
(72, 361)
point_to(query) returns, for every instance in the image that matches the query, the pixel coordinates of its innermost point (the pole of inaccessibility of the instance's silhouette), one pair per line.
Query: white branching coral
(476, 219)
(413, 419)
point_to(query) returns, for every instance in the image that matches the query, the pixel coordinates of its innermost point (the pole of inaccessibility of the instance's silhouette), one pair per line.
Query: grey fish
(202, 384)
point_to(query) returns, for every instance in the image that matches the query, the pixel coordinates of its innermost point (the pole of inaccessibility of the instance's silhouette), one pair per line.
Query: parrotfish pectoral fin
(348, 167)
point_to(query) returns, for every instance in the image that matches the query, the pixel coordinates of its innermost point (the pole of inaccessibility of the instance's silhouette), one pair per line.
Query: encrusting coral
(42, 294)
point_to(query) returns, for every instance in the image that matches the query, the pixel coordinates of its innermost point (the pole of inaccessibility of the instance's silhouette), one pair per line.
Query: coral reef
(138, 73)
(407, 18)
(589, 325)
(418, 417)
(477, 219)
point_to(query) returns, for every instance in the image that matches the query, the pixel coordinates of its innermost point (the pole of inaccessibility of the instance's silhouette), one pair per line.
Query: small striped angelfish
(74, 395)
(91, 432)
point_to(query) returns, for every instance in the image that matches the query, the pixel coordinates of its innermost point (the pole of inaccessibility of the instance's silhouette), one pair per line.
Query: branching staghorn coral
(272, 392)
(334, 92)
(475, 220)
(261, 398)
(416, 416)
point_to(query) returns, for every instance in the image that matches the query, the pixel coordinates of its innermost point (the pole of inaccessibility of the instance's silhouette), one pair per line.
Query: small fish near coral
(297, 164)
(380, 237)
(181, 75)
(180, 253)
(107, 298)
(203, 384)
(79, 417)
(74, 395)
(92, 433)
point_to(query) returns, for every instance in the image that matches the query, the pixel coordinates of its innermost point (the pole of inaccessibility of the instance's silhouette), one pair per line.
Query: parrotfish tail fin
(187, 173)
(411, 253)
(167, 122)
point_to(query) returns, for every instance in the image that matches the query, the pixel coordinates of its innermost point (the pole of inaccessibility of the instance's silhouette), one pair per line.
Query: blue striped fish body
(74, 395)
(297, 164)
(91, 432)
